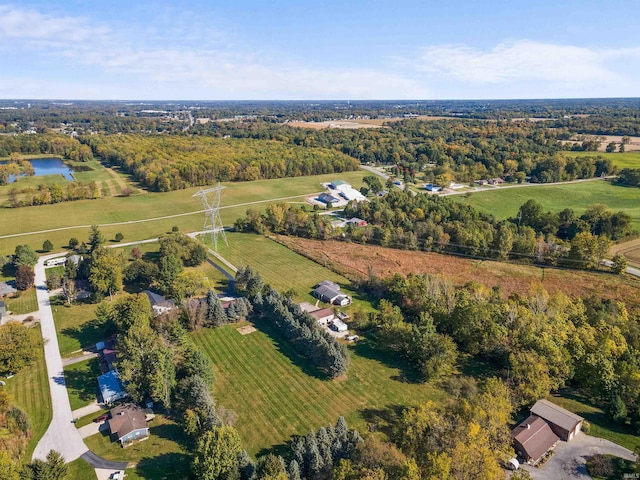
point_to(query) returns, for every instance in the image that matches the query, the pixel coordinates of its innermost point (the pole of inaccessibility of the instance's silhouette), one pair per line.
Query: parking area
(569, 459)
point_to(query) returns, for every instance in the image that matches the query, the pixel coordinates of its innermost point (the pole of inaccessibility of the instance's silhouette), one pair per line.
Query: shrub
(47, 246)
(119, 237)
(600, 465)
(73, 242)
(586, 427)
(24, 277)
(174, 228)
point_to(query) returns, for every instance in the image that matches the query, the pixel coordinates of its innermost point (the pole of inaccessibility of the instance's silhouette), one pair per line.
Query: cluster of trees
(297, 327)
(629, 176)
(209, 311)
(39, 144)
(539, 342)
(24, 259)
(18, 347)
(53, 468)
(15, 166)
(55, 193)
(16, 430)
(171, 163)
(434, 223)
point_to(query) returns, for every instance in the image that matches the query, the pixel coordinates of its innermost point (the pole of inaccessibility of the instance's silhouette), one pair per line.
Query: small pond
(48, 166)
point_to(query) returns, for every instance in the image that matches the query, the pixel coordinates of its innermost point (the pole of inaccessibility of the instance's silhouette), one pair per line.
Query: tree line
(296, 326)
(164, 163)
(434, 223)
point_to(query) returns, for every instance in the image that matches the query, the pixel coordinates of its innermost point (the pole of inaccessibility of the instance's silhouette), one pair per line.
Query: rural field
(275, 394)
(621, 160)
(631, 251)
(504, 203)
(132, 214)
(357, 261)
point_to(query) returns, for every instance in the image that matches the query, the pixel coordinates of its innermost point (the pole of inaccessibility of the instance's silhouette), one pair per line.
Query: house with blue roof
(111, 388)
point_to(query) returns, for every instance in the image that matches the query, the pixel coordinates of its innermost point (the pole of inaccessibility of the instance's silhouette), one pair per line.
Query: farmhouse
(111, 388)
(128, 424)
(564, 424)
(329, 292)
(323, 315)
(533, 438)
(159, 304)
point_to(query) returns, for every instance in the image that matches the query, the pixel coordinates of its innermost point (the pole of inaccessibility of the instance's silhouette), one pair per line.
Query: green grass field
(280, 267)
(504, 203)
(82, 382)
(149, 205)
(26, 302)
(620, 160)
(29, 389)
(77, 327)
(269, 387)
(164, 455)
(601, 425)
(79, 469)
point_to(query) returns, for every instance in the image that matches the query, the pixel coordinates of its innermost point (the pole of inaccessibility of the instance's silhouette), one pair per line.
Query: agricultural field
(280, 267)
(620, 160)
(504, 203)
(163, 455)
(29, 389)
(137, 216)
(630, 250)
(275, 394)
(357, 262)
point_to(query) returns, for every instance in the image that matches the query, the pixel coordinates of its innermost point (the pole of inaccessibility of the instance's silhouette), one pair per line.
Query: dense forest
(433, 223)
(164, 163)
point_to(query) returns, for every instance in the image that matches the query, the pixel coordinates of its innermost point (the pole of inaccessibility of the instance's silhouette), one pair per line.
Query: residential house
(564, 424)
(111, 388)
(159, 304)
(495, 181)
(128, 424)
(332, 295)
(533, 438)
(7, 289)
(323, 315)
(356, 222)
(338, 223)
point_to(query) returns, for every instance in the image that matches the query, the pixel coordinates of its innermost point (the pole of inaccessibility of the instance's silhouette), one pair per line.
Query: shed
(111, 388)
(533, 438)
(339, 326)
(128, 423)
(564, 424)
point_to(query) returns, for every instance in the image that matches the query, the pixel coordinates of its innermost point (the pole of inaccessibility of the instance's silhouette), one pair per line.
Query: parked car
(115, 476)
(352, 338)
(101, 418)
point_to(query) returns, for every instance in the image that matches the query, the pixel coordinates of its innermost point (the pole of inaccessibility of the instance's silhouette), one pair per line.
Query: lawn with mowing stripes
(620, 160)
(150, 205)
(504, 203)
(25, 302)
(82, 382)
(276, 395)
(29, 389)
(280, 267)
(77, 326)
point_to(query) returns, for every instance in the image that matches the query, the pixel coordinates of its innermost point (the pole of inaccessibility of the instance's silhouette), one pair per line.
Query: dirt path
(112, 189)
(116, 176)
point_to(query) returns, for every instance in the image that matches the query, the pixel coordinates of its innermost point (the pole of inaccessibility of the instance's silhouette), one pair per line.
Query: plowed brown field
(357, 261)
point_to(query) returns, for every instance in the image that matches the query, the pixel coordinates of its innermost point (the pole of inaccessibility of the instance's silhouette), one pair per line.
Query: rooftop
(535, 436)
(125, 419)
(556, 414)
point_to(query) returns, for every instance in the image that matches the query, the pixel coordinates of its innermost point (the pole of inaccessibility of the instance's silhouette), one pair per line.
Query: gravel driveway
(569, 460)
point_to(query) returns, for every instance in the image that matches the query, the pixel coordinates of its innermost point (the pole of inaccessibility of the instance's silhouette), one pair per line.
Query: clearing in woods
(359, 261)
(275, 396)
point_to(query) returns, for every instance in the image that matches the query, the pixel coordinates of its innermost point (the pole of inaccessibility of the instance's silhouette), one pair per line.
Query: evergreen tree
(313, 460)
(294, 470)
(246, 466)
(96, 238)
(216, 315)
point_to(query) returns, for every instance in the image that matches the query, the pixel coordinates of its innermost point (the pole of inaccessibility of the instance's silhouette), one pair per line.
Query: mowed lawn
(25, 302)
(77, 327)
(29, 389)
(82, 382)
(275, 396)
(620, 160)
(79, 215)
(504, 203)
(280, 267)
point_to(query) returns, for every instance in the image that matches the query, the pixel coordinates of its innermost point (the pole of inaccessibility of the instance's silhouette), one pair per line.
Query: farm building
(331, 294)
(352, 194)
(111, 388)
(128, 423)
(338, 325)
(356, 222)
(159, 304)
(327, 198)
(564, 424)
(339, 185)
(323, 315)
(533, 438)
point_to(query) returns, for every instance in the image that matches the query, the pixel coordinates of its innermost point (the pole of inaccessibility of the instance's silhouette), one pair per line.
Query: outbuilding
(111, 388)
(564, 424)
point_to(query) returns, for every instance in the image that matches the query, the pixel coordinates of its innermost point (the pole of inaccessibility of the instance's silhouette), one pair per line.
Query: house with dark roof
(159, 304)
(331, 294)
(533, 438)
(128, 424)
(564, 424)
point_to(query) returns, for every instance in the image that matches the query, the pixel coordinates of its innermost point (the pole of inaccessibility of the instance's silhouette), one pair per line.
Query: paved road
(630, 270)
(62, 434)
(569, 460)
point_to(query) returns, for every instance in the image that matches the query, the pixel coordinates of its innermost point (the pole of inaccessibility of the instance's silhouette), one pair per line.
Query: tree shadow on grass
(88, 333)
(172, 432)
(407, 374)
(168, 466)
(287, 349)
(382, 419)
(83, 383)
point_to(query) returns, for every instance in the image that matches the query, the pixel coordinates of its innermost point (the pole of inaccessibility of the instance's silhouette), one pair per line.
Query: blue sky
(402, 49)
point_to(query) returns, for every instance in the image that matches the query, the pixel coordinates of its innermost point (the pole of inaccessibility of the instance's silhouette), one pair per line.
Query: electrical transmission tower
(212, 221)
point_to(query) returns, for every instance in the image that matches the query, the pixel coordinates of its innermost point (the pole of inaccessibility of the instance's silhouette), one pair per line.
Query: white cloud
(525, 60)
(157, 67)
